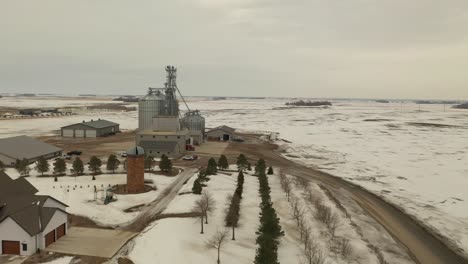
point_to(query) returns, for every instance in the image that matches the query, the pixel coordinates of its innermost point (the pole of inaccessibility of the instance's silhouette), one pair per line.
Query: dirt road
(422, 245)
(152, 210)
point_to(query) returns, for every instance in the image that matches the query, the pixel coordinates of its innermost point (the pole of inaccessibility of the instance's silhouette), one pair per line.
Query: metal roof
(24, 147)
(19, 202)
(98, 124)
(162, 146)
(135, 151)
(223, 128)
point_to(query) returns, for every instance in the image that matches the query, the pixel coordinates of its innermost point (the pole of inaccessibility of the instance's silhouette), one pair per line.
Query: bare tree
(344, 247)
(200, 208)
(217, 241)
(210, 204)
(203, 206)
(314, 255)
(285, 185)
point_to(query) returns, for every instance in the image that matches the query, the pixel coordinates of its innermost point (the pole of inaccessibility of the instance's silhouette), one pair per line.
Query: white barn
(28, 222)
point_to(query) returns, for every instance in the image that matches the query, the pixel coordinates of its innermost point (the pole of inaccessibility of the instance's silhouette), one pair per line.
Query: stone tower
(136, 170)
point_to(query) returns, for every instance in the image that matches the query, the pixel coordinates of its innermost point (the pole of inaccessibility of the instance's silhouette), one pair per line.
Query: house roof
(158, 145)
(18, 201)
(24, 147)
(223, 128)
(98, 124)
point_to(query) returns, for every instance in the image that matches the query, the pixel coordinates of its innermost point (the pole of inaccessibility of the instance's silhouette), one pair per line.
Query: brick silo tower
(135, 170)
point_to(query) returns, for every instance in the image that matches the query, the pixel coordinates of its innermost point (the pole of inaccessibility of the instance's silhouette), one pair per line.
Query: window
(25, 247)
(178, 137)
(165, 136)
(141, 136)
(151, 151)
(154, 136)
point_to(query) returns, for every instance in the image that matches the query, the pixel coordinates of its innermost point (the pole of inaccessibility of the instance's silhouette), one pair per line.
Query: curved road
(424, 247)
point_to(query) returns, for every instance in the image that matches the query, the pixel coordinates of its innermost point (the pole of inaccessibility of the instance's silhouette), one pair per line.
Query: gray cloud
(359, 48)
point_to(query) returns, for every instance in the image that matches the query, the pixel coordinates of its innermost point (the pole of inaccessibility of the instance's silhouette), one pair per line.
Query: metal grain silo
(193, 121)
(148, 107)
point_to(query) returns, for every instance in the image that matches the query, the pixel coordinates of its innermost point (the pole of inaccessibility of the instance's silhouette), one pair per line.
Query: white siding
(11, 231)
(54, 204)
(90, 133)
(68, 132)
(57, 220)
(79, 133)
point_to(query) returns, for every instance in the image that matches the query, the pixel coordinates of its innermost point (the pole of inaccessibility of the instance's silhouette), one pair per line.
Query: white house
(28, 222)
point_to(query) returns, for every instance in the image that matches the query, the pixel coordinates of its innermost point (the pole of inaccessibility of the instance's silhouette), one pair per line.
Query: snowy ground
(423, 169)
(78, 194)
(183, 234)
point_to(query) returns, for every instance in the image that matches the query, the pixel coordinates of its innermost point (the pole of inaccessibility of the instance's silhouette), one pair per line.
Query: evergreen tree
(242, 163)
(95, 166)
(2, 166)
(149, 161)
(60, 166)
(197, 187)
(165, 165)
(270, 170)
(212, 167)
(42, 165)
(78, 166)
(112, 163)
(202, 176)
(260, 167)
(223, 163)
(22, 166)
(249, 166)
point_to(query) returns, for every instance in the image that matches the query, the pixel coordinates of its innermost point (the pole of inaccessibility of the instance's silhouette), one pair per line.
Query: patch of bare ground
(82, 221)
(436, 125)
(122, 189)
(101, 147)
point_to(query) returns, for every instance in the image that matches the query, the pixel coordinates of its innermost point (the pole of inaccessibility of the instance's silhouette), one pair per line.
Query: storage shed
(24, 147)
(222, 133)
(91, 129)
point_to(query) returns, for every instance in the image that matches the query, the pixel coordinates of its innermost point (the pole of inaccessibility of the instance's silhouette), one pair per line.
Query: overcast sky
(307, 48)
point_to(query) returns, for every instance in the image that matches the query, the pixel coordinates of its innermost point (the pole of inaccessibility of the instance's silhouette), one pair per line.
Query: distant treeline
(461, 106)
(309, 103)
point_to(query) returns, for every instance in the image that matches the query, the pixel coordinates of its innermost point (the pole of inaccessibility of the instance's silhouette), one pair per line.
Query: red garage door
(11, 247)
(60, 231)
(50, 238)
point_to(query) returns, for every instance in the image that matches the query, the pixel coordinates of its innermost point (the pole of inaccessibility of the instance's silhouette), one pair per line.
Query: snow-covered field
(379, 146)
(182, 235)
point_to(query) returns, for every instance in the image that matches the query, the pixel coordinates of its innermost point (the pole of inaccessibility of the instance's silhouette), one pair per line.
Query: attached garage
(11, 247)
(68, 133)
(50, 238)
(60, 231)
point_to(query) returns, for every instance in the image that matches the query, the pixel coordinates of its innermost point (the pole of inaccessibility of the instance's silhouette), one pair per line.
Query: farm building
(24, 147)
(156, 143)
(28, 222)
(223, 133)
(91, 129)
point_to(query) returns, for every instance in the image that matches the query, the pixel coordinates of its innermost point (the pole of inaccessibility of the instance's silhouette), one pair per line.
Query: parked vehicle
(74, 152)
(189, 147)
(67, 157)
(190, 157)
(238, 139)
(123, 154)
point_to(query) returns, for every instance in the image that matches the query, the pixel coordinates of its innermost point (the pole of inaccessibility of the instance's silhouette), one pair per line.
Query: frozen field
(383, 147)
